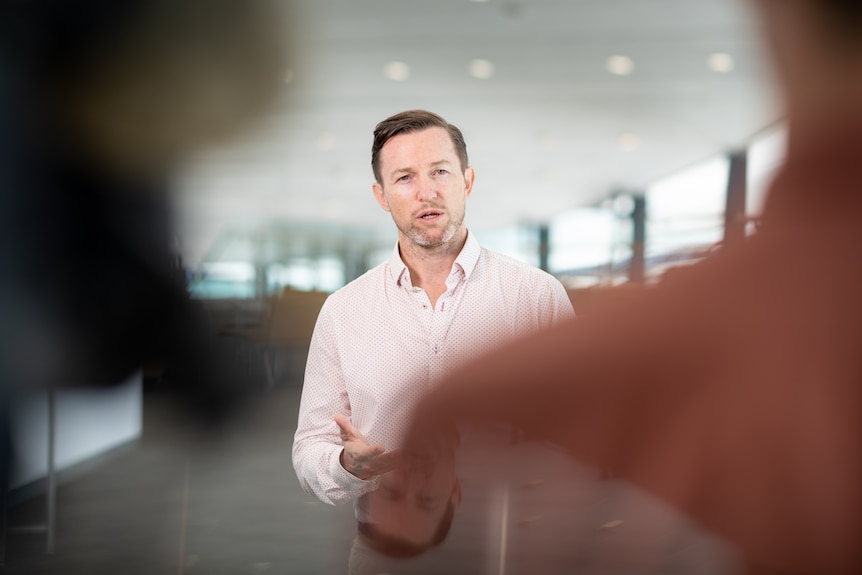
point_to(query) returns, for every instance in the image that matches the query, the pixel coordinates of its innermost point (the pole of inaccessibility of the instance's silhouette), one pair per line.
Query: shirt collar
(469, 255)
(466, 260)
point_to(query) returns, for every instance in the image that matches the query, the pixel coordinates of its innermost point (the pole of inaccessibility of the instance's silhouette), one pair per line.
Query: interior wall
(89, 422)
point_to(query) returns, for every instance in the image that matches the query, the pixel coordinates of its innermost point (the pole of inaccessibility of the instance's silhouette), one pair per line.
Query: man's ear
(469, 178)
(456, 493)
(379, 196)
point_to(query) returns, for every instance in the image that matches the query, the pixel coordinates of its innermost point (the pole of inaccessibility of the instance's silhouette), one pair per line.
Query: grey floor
(185, 501)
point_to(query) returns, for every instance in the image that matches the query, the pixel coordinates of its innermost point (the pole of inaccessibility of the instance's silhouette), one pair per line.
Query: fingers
(382, 462)
(343, 422)
(375, 450)
(387, 461)
(360, 458)
(347, 431)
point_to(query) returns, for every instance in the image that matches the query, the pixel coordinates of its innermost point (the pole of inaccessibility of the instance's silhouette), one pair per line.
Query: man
(382, 341)
(733, 390)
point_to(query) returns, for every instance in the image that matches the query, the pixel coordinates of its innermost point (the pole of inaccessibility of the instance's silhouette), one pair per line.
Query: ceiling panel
(542, 131)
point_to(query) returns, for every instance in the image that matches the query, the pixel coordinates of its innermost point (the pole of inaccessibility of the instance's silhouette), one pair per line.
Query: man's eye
(403, 178)
(441, 171)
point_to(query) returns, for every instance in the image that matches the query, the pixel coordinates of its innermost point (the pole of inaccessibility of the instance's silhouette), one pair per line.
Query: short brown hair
(848, 11)
(391, 546)
(413, 121)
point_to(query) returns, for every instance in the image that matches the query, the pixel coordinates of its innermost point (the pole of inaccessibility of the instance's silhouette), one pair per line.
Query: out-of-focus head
(817, 49)
(412, 509)
(423, 532)
(136, 85)
(407, 123)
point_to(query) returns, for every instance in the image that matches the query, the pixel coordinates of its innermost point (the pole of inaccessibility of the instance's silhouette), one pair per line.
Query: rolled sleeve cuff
(352, 485)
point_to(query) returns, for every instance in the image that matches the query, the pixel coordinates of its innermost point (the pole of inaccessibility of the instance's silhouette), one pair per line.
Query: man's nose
(426, 190)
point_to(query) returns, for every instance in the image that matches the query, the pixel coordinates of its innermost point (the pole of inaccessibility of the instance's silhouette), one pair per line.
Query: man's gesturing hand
(359, 457)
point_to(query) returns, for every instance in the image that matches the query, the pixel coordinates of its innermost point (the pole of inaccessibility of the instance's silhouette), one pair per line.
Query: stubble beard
(424, 238)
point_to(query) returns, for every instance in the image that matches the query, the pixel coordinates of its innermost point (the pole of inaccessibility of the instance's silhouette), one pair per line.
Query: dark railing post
(544, 246)
(737, 187)
(637, 267)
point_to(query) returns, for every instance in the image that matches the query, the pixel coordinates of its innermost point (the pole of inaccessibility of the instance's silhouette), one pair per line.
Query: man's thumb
(344, 423)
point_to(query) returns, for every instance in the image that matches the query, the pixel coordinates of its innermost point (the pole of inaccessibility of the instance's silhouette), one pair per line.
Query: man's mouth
(429, 215)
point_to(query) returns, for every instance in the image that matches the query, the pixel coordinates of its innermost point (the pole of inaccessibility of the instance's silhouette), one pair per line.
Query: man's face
(409, 504)
(424, 187)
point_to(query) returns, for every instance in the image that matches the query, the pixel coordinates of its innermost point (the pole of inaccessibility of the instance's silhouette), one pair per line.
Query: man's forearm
(321, 474)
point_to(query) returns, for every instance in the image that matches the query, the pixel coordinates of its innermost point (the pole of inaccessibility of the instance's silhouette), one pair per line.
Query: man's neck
(429, 267)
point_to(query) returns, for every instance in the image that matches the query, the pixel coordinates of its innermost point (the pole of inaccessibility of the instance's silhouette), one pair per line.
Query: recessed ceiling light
(628, 142)
(482, 69)
(721, 62)
(396, 71)
(620, 65)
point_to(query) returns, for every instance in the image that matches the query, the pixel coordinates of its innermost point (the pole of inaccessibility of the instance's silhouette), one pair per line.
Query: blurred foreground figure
(734, 390)
(411, 510)
(99, 102)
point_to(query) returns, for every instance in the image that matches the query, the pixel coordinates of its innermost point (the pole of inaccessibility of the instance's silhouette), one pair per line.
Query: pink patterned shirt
(379, 345)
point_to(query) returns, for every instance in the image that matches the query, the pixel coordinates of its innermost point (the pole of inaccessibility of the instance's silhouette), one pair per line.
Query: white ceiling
(542, 132)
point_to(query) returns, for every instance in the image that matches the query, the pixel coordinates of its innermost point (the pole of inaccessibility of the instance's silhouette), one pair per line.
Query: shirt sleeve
(317, 443)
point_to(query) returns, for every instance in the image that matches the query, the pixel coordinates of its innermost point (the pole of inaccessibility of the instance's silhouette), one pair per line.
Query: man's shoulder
(365, 285)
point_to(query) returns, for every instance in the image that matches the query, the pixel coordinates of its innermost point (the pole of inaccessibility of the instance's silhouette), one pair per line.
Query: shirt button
(436, 348)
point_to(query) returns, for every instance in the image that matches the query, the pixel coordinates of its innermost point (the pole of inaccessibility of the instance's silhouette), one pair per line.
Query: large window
(765, 155)
(518, 241)
(223, 280)
(306, 274)
(685, 215)
(589, 246)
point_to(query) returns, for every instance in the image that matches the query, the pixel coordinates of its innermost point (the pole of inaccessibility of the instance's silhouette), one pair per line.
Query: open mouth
(429, 215)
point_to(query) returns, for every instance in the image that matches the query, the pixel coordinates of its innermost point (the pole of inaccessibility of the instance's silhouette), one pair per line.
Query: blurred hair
(413, 121)
(842, 17)
(138, 84)
(400, 549)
